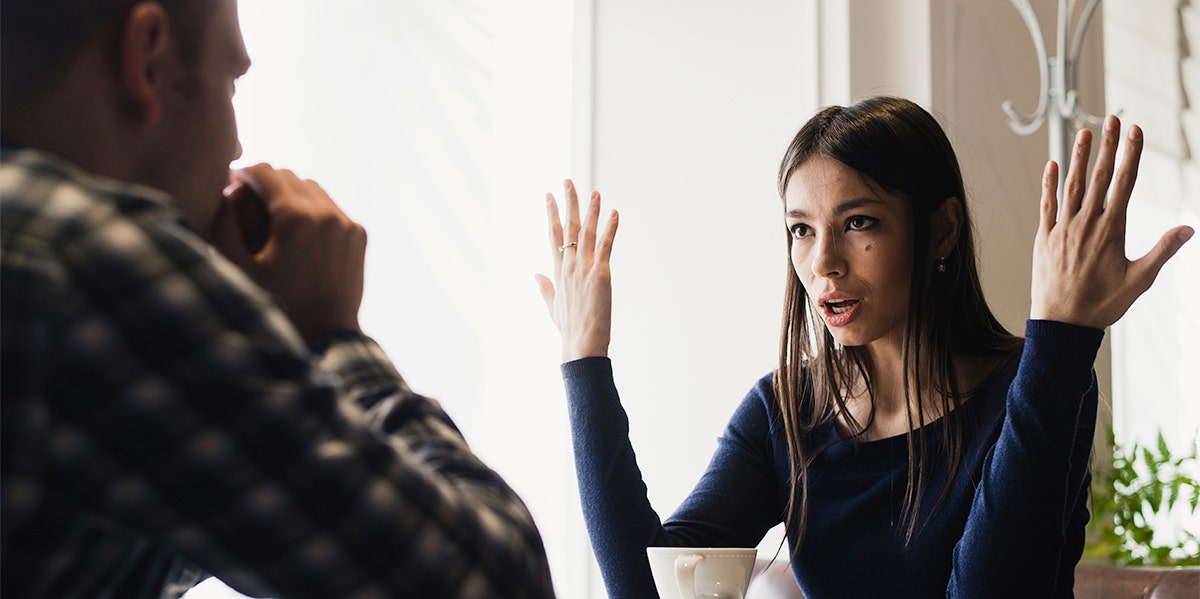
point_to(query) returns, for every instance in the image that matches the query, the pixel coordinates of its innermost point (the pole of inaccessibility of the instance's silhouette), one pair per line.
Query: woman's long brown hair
(900, 147)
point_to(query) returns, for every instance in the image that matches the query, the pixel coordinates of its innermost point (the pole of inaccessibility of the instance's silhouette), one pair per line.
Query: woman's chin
(847, 338)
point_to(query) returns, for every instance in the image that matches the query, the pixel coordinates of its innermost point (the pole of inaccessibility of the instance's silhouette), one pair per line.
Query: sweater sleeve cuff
(584, 368)
(1062, 342)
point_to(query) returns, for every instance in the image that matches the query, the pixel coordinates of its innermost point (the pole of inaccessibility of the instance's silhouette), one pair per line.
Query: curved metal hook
(1076, 49)
(1019, 123)
(1081, 29)
(1068, 102)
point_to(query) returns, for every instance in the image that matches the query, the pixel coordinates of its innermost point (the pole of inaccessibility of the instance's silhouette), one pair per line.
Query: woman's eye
(861, 223)
(799, 230)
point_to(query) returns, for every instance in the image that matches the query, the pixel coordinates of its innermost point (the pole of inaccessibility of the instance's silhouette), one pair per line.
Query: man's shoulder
(43, 199)
(31, 180)
(35, 192)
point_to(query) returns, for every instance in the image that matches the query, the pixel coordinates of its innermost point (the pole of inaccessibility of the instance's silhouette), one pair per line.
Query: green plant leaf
(1171, 492)
(1141, 482)
(1149, 458)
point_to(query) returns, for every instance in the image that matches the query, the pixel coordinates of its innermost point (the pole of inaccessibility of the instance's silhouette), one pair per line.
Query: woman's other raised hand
(1080, 272)
(580, 296)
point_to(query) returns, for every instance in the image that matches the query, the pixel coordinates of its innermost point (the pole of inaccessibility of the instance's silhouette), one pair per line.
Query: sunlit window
(439, 126)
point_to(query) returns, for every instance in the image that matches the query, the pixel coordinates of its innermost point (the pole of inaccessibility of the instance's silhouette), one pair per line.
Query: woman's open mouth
(841, 306)
(839, 312)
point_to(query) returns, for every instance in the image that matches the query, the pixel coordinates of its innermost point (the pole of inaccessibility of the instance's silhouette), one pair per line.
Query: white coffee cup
(701, 572)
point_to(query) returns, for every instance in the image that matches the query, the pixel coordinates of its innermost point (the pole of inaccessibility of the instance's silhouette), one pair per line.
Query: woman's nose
(827, 258)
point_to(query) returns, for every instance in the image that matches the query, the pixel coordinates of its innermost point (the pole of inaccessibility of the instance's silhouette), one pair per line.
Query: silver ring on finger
(563, 248)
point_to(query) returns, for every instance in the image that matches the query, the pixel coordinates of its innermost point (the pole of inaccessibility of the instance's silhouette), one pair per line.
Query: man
(185, 387)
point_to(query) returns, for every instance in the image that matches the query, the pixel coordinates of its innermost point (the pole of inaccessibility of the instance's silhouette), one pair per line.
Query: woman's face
(851, 249)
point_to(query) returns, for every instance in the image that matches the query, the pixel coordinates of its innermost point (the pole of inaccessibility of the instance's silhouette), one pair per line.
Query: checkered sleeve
(479, 506)
(150, 387)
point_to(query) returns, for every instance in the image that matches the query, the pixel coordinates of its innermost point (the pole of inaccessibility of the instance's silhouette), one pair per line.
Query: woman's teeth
(841, 306)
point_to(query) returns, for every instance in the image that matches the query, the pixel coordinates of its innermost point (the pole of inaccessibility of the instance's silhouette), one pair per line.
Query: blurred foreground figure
(185, 386)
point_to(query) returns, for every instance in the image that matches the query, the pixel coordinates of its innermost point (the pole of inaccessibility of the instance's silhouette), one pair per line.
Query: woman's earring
(941, 264)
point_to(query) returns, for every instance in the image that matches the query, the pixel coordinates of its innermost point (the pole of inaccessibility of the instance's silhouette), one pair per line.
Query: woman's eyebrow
(845, 206)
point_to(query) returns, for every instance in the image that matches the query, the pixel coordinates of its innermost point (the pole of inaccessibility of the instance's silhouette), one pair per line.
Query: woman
(911, 445)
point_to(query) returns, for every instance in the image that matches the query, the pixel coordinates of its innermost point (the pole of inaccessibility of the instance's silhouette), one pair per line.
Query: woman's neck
(884, 411)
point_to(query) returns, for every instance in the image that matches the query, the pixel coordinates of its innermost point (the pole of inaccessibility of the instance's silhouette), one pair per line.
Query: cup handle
(685, 574)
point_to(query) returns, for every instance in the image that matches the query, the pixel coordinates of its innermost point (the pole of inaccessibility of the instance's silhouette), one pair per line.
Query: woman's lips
(839, 313)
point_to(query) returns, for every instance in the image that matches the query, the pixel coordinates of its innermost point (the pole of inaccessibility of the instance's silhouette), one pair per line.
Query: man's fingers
(228, 238)
(265, 180)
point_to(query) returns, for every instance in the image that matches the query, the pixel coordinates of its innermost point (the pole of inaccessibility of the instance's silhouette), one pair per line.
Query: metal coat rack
(1058, 102)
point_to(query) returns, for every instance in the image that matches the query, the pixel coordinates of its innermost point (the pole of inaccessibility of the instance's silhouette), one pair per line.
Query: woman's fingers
(604, 249)
(1081, 273)
(579, 297)
(587, 237)
(571, 240)
(1077, 174)
(1144, 270)
(577, 241)
(1049, 197)
(1102, 173)
(556, 232)
(546, 287)
(1118, 200)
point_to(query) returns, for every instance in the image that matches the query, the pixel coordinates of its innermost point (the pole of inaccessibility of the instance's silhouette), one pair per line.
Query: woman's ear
(146, 60)
(945, 226)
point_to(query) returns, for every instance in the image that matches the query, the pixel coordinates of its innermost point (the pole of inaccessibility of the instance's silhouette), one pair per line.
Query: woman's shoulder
(763, 397)
(757, 424)
(759, 403)
(1001, 367)
(986, 398)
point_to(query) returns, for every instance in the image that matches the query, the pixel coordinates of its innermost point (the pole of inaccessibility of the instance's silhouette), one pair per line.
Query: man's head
(138, 90)
(38, 36)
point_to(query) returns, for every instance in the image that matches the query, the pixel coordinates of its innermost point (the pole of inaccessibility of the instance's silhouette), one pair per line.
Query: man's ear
(146, 60)
(945, 226)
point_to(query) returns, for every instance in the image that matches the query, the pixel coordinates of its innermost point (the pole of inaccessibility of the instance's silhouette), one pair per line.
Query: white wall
(695, 102)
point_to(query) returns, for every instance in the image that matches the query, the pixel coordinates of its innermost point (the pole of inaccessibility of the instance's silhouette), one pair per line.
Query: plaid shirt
(162, 419)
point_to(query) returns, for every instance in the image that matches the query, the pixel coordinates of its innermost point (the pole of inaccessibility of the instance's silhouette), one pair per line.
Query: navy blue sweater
(1012, 524)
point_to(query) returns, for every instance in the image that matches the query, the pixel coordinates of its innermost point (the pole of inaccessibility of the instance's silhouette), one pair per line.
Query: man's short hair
(38, 37)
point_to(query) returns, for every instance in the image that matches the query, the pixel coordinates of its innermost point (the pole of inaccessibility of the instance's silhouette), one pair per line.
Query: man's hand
(306, 251)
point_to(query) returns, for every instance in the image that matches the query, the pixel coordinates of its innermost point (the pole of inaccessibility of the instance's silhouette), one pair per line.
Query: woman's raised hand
(580, 296)
(1080, 272)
